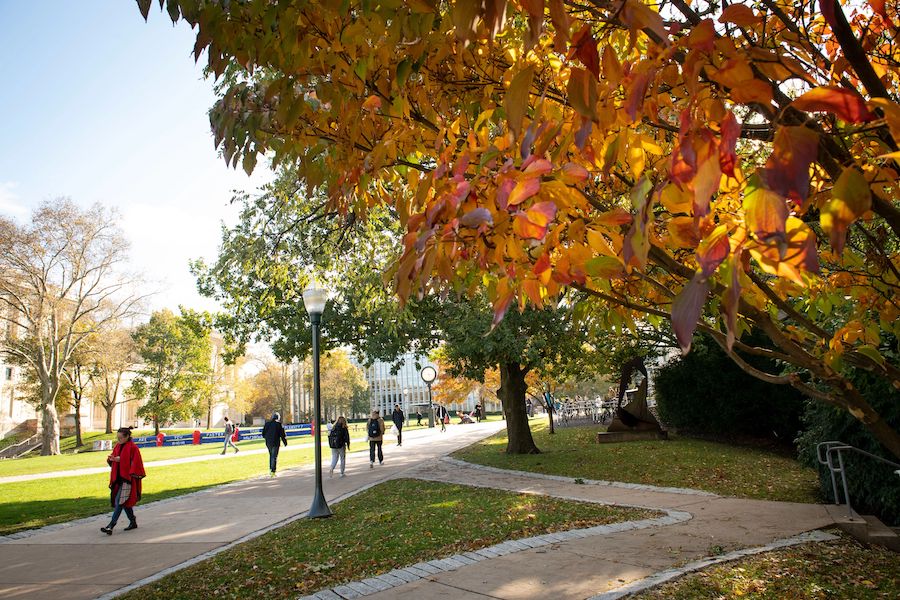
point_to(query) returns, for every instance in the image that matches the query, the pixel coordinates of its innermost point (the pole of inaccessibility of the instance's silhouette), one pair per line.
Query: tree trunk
(208, 417)
(155, 426)
(109, 410)
(77, 405)
(512, 397)
(49, 420)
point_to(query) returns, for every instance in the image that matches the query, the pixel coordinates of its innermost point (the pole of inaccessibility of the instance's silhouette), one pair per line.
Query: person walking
(126, 473)
(229, 433)
(273, 433)
(398, 417)
(418, 417)
(339, 442)
(443, 415)
(375, 431)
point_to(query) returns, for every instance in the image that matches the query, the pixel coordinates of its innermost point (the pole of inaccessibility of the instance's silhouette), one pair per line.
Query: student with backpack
(375, 431)
(443, 415)
(229, 433)
(339, 442)
(273, 433)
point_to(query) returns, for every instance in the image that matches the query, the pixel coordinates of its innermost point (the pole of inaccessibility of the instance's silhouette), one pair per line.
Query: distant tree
(61, 281)
(80, 374)
(115, 354)
(175, 364)
(341, 381)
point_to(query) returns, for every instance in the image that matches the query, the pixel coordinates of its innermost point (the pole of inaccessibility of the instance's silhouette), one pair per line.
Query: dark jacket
(343, 436)
(398, 417)
(273, 432)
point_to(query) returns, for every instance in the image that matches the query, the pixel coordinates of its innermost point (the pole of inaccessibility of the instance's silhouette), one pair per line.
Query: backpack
(374, 429)
(334, 437)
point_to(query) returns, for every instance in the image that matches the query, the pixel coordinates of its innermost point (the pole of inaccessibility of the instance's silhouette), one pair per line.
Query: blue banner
(218, 437)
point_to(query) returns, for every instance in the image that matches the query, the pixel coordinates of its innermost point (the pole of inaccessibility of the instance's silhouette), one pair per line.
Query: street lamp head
(314, 299)
(429, 374)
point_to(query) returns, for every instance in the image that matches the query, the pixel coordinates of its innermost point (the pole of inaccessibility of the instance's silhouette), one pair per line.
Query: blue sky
(102, 107)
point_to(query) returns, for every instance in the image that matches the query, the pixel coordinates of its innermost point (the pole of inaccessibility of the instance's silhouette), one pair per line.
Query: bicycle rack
(825, 452)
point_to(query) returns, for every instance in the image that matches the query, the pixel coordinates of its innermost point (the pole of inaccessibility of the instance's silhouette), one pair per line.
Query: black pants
(399, 433)
(273, 457)
(372, 445)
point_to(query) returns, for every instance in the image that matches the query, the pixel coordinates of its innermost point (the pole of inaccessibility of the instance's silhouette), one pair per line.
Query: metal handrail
(825, 452)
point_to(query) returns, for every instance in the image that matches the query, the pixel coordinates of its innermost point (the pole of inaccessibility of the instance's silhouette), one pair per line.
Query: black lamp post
(314, 299)
(429, 374)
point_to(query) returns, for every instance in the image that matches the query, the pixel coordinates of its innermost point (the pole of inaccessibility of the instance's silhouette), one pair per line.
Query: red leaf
(495, 15)
(584, 46)
(713, 249)
(636, 92)
(787, 170)
(573, 173)
(848, 105)
(687, 308)
(731, 130)
(542, 264)
(501, 304)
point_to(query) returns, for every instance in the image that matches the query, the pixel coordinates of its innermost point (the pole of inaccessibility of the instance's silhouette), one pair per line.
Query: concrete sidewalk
(80, 562)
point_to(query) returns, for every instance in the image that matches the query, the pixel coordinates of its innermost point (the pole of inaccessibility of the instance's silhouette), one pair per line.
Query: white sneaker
(342, 475)
(371, 465)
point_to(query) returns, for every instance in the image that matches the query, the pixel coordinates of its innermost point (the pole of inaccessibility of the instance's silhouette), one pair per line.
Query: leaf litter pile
(394, 524)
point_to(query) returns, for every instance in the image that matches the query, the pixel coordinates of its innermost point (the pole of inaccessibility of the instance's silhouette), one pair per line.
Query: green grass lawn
(395, 524)
(680, 462)
(32, 504)
(838, 569)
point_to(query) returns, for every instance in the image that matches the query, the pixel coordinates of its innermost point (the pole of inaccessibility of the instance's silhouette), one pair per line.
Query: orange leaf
(848, 105)
(739, 14)
(532, 223)
(523, 190)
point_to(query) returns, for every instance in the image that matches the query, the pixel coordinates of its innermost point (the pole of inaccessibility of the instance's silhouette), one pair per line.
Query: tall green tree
(175, 355)
(282, 236)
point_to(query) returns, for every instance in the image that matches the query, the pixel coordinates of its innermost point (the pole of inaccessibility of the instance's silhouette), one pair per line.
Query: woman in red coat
(124, 479)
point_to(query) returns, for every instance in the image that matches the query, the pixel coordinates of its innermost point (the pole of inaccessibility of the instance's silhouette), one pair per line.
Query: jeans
(228, 442)
(273, 457)
(372, 445)
(339, 454)
(117, 511)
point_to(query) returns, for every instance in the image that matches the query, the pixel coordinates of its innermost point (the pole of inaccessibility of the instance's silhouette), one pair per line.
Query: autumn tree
(79, 375)
(62, 280)
(174, 353)
(341, 382)
(724, 166)
(114, 355)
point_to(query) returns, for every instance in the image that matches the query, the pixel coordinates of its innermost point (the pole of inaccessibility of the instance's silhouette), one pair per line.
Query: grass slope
(681, 462)
(838, 569)
(394, 524)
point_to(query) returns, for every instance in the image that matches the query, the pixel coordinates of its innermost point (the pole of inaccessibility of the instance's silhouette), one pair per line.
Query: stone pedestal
(610, 437)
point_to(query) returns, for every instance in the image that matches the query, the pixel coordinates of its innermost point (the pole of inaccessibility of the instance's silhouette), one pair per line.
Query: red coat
(130, 468)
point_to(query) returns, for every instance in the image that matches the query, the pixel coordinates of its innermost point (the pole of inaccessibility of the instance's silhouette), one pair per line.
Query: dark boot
(107, 530)
(131, 525)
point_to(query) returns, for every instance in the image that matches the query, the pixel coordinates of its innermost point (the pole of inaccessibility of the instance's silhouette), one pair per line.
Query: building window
(9, 373)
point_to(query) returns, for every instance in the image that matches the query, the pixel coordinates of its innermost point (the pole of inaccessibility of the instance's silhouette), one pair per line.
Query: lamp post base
(319, 508)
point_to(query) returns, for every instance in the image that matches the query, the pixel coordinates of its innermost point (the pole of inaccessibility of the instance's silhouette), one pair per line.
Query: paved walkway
(79, 562)
(585, 567)
(172, 461)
